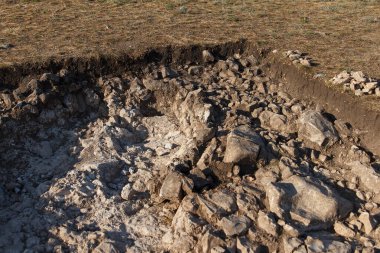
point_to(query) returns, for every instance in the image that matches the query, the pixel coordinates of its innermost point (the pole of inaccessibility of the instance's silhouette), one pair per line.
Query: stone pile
(299, 58)
(358, 83)
(213, 157)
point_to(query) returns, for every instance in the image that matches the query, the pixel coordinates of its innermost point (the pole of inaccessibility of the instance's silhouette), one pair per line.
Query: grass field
(341, 34)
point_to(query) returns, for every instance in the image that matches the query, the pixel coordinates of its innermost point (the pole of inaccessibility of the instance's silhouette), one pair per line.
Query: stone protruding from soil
(306, 202)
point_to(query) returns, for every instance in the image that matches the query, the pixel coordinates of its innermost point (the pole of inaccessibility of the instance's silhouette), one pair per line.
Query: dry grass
(341, 34)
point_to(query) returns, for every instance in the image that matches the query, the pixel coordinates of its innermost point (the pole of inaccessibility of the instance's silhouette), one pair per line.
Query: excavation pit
(198, 149)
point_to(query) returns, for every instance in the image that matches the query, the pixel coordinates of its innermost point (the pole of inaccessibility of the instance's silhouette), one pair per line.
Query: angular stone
(278, 122)
(305, 62)
(342, 127)
(317, 129)
(208, 210)
(294, 56)
(234, 225)
(265, 117)
(245, 246)
(326, 243)
(371, 85)
(210, 241)
(358, 76)
(343, 77)
(218, 249)
(187, 223)
(358, 93)
(185, 244)
(106, 247)
(368, 222)
(195, 70)
(377, 92)
(199, 179)
(267, 223)
(262, 88)
(369, 178)
(356, 154)
(248, 204)
(221, 66)
(50, 77)
(207, 56)
(307, 202)
(243, 146)
(252, 60)
(127, 192)
(7, 99)
(195, 116)
(208, 155)
(343, 230)
(167, 72)
(174, 187)
(293, 245)
(225, 200)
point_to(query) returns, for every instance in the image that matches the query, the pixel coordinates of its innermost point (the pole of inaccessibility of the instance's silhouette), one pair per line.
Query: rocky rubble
(358, 83)
(195, 158)
(299, 58)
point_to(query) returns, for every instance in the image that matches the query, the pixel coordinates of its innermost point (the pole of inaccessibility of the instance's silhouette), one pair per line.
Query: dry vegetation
(340, 34)
(213, 156)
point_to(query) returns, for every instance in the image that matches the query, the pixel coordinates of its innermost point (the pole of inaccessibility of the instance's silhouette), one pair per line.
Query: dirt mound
(205, 156)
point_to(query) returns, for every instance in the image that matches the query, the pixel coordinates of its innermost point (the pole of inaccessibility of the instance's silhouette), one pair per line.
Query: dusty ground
(340, 34)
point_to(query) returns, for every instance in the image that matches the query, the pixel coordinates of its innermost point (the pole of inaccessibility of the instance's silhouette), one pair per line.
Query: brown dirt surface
(340, 34)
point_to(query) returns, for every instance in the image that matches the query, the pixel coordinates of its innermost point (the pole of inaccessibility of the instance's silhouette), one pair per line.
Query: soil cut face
(213, 156)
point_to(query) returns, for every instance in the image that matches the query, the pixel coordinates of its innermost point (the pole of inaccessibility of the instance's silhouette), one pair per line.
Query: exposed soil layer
(362, 113)
(356, 111)
(182, 150)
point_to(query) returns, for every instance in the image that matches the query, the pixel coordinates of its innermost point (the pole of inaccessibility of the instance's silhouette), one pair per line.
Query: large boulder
(317, 129)
(306, 202)
(243, 146)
